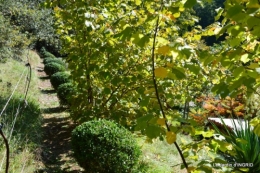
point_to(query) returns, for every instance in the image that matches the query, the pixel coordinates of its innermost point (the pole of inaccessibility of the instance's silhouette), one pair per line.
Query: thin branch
(157, 92)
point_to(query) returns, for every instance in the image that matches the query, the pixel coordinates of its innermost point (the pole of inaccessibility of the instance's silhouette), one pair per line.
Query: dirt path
(55, 151)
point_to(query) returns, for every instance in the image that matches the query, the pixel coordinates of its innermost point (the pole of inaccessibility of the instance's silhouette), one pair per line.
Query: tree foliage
(133, 60)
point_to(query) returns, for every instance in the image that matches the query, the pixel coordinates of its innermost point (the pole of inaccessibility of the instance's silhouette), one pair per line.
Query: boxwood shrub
(59, 78)
(44, 53)
(53, 67)
(64, 91)
(56, 60)
(105, 147)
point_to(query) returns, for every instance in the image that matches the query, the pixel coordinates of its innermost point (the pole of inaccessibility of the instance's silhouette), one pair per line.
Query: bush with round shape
(105, 147)
(44, 53)
(48, 54)
(56, 60)
(59, 78)
(52, 68)
(47, 60)
(64, 91)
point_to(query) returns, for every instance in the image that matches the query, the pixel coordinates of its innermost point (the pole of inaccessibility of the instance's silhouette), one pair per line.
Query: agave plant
(246, 145)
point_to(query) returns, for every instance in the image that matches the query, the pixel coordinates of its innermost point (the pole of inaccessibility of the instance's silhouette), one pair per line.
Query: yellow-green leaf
(181, 9)
(160, 72)
(197, 37)
(253, 65)
(176, 15)
(161, 121)
(170, 137)
(191, 168)
(174, 54)
(164, 50)
(253, 4)
(162, 41)
(244, 58)
(138, 2)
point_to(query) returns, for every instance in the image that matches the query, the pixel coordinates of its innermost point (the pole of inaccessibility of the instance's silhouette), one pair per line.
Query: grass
(26, 134)
(160, 157)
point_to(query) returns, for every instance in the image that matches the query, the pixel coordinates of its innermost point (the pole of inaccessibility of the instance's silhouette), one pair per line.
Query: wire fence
(19, 111)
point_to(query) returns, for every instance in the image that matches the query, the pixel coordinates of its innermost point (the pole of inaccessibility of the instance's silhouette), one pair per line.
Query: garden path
(56, 154)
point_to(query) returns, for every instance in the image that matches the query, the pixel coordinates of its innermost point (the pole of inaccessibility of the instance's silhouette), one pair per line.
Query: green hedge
(59, 78)
(44, 53)
(64, 91)
(52, 68)
(105, 147)
(56, 60)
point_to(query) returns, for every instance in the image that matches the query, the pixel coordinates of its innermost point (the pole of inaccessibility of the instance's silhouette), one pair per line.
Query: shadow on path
(56, 144)
(55, 152)
(54, 110)
(47, 91)
(44, 77)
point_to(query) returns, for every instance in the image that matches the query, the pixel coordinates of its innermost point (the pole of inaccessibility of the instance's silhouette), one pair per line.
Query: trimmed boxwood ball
(64, 91)
(48, 54)
(105, 147)
(44, 53)
(59, 78)
(47, 60)
(53, 67)
(56, 60)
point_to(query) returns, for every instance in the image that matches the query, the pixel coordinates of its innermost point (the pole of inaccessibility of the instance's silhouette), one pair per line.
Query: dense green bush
(42, 51)
(48, 54)
(59, 78)
(47, 60)
(64, 91)
(56, 60)
(45, 54)
(103, 146)
(53, 67)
